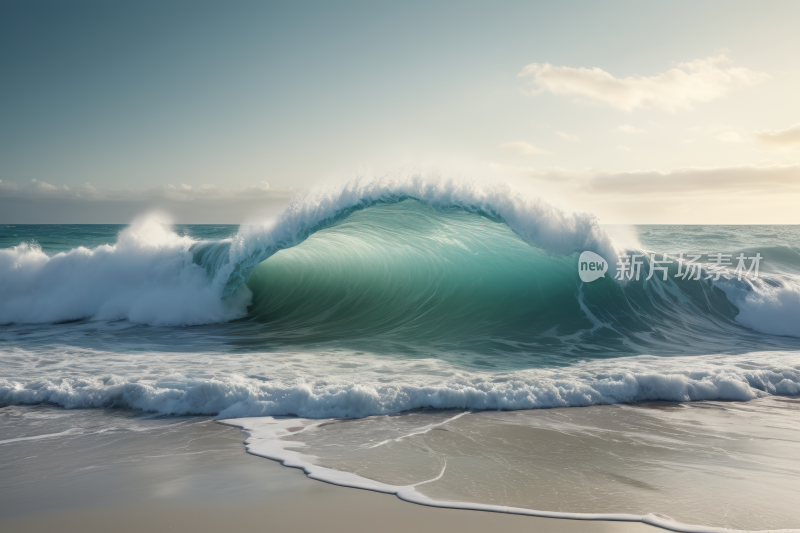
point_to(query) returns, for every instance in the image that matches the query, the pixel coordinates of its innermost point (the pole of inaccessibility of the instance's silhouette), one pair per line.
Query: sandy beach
(313, 507)
(116, 471)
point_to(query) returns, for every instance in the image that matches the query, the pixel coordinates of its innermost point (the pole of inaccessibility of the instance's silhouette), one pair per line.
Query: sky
(640, 112)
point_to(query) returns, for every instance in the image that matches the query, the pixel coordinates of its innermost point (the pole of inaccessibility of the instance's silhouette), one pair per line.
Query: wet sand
(710, 464)
(315, 508)
(98, 470)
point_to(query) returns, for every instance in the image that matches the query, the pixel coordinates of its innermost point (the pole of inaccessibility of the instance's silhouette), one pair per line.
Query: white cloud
(630, 129)
(522, 148)
(701, 80)
(568, 137)
(182, 192)
(746, 178)
(746, 194)
(729, 137)
(766, 193)
(40, 202)
(788, 138)
(42, 186)
(527, 171)
(625, 148)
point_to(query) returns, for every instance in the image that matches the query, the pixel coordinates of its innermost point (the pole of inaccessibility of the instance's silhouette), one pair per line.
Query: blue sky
(595, 104)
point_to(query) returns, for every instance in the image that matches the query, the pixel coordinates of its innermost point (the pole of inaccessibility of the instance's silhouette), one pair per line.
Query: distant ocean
(383, 298)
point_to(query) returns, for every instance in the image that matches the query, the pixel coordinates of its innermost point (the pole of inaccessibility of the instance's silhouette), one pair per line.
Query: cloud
(526, 171)
(40, 202)
(568, 137)
(701, 80)
(630, 129)
(747, 194)
(522, 148)
(687, 181)
(729, 137)
(767, 193)
(788, 138)
(625, 148)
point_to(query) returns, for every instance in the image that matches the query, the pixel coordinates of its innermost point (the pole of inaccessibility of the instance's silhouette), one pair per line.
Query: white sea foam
(312, 386)
(146, 277)
(768, 309)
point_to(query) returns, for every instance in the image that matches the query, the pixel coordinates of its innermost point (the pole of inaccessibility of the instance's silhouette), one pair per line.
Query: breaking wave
(444, 261)
(153, 276)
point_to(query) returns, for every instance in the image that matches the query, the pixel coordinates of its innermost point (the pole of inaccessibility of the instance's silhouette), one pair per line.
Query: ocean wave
(147, 277)
(449, 278)
(534, 220)
(462, 263)
(153, 276)
(624, 381)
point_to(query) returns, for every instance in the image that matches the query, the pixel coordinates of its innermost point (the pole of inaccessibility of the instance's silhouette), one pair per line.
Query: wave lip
(535, 221)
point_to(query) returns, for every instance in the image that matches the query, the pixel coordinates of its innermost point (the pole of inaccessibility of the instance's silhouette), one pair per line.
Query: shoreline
(195, 475)
(264, 441)
(79, 470)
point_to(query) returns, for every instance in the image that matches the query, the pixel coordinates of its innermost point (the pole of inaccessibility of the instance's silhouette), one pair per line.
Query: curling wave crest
(153, 276)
